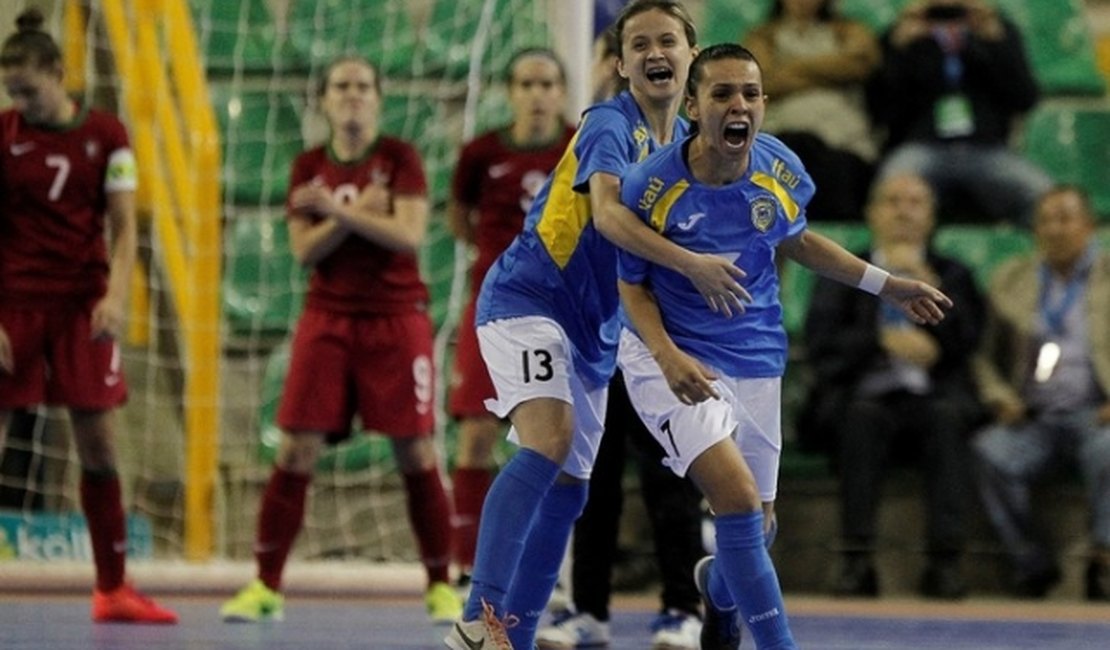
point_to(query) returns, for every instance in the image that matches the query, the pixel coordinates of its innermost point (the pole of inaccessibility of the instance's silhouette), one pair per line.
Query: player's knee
(555, 447)
(477, 438)
(739, 499)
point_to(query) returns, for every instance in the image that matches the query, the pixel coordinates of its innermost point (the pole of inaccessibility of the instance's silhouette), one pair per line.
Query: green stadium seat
(354, 454)
(263, 286)
(728, 21)
(1056, 32)
(796, 282)
(982, 248)
(1071, 145)
(380, 31)
(450, 31)
(876, 14)
(1058, 40)
(408, 116)
(437, 268)
(422, 121)
(453, 25)
(261, 131)
(241, 36)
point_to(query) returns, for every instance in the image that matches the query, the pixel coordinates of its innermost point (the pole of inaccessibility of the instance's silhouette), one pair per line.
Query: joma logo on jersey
(784, 174)
(651, 194)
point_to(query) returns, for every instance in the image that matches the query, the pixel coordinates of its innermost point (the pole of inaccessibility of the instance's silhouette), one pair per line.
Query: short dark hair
(1071, 188)
(715, 53)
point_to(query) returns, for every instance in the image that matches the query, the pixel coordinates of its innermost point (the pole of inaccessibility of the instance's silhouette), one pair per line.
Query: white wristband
(873, 279)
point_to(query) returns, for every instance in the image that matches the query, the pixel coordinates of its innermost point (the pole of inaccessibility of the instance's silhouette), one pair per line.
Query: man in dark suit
(885, 385)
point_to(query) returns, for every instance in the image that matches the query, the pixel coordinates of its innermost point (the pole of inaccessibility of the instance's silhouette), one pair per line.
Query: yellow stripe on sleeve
(773, 186)
(566, 212)
(662, 207)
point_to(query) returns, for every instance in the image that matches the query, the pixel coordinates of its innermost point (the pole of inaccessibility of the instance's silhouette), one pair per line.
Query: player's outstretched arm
(920, 302)
(715, 278)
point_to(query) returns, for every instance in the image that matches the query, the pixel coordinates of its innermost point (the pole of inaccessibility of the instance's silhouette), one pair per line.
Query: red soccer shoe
(125, 605)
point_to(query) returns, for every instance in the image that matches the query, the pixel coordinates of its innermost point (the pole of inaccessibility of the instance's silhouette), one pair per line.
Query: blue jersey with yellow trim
(743, 221)
(560, 266)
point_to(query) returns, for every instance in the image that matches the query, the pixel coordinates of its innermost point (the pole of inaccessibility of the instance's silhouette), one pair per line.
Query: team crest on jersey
(92, 148)
(763, 213)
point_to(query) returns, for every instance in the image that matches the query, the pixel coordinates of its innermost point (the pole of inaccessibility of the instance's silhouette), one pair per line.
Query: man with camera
(953, 80)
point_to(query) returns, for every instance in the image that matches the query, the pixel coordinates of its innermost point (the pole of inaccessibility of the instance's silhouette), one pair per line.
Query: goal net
(441, 63)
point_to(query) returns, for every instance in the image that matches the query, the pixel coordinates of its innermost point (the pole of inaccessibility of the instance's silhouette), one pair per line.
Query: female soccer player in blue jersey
(708, 386)
(547, 326)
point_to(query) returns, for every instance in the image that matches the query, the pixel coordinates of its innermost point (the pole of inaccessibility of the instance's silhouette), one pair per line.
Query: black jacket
(842, 344)
(997, 80)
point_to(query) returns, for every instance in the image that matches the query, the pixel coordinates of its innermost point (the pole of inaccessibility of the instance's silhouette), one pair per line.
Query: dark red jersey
(500, 180)
(54, 184)
(360, 276)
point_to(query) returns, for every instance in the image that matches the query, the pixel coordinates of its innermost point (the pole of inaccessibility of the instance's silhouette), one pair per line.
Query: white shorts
(529, 358)
(748, 411)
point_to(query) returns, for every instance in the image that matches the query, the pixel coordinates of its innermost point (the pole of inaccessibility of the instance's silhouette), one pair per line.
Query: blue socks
(511, 503)
(543, 554)
(743, 576)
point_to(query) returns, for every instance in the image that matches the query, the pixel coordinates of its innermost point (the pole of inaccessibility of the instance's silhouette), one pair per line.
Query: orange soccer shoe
(125, 605)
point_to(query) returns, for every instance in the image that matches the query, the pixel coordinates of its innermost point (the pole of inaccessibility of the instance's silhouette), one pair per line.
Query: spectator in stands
(953, 80)
(673, 505)
(817, 64)
(68, 237)
(708, 387)
(1044, 371)
(357, 214)
(886, 387)
(495, 181)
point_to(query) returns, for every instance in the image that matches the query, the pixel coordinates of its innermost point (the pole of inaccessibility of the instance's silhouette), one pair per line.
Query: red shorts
(379, 366)
(470, 382)
(58, 363)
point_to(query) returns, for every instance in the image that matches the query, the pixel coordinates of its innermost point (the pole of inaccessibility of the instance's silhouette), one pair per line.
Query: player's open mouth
(659, 74)
(736, 133)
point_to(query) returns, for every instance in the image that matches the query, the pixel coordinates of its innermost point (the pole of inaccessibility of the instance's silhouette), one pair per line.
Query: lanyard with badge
(1054, 316)
(953, 116)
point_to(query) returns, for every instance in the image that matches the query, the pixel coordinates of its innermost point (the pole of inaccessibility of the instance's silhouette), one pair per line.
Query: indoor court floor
(40, 622)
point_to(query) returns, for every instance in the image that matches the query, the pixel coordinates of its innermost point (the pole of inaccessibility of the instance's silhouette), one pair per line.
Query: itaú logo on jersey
(784, 174)
(651, 194)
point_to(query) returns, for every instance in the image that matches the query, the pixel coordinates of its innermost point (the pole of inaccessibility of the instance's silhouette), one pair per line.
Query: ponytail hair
(30, 45)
